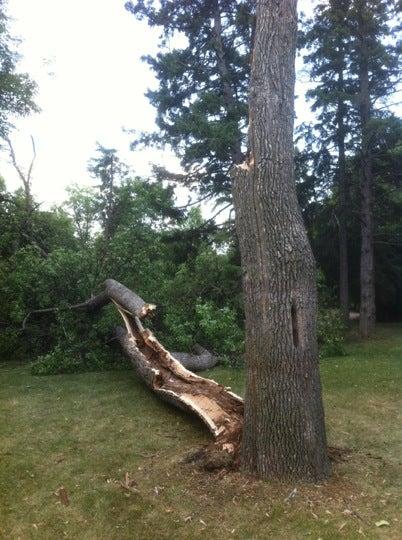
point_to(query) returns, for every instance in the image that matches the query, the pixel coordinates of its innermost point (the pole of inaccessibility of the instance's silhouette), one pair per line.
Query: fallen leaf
(382, 523)
(342, 526)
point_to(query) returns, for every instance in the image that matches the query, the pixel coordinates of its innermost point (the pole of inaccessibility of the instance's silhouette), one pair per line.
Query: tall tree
(284, 431)
(327, 38)
(203, 72)
(375, 62)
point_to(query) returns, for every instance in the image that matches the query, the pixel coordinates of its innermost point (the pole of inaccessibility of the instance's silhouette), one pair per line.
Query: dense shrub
(331, 331)
(220, 329)
(193, 276)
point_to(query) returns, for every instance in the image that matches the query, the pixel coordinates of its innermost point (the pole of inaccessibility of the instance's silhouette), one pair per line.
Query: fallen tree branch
(203, 359)
(219, 408)
(95, 303)
(114, 291)
(216, 406)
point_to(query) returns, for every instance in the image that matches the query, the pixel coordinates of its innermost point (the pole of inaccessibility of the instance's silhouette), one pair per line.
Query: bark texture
(284, 432)
(367, 276)
(202, 359)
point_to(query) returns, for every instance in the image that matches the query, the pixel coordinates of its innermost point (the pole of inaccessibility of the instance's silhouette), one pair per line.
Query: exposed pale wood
(219, 409)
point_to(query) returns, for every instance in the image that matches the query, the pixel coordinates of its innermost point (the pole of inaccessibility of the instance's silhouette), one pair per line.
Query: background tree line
(348, 167)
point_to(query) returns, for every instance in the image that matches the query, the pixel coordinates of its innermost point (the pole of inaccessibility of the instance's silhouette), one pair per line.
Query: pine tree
(375, 64)
(353, 58)
(203, 75)
(328, 39)
(109, 170)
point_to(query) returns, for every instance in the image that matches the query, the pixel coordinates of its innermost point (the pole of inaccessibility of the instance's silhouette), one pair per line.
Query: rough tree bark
(284, 431)
(202, 359)
(367, 276)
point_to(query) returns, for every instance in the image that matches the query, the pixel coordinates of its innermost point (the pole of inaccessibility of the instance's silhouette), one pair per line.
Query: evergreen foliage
(202, 69)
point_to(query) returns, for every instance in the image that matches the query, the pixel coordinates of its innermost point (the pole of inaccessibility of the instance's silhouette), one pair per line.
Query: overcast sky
(85, 57)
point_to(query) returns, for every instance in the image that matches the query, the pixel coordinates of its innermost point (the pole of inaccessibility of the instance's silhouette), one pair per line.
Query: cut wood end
(244, 166)
(147, 309)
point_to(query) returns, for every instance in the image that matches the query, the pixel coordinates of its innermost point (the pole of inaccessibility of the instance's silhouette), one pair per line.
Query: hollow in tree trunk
(284, 431)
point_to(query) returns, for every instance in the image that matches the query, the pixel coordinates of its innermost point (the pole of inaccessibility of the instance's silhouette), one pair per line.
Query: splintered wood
(219, 409)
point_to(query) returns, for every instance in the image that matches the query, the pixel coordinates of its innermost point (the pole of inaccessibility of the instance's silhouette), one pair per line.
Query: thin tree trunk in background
(343, 213)
(229, 95)
(284, 431)
(367, 276)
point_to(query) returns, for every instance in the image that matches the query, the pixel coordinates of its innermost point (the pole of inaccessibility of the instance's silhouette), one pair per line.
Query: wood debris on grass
(129, 484)
(61, 494)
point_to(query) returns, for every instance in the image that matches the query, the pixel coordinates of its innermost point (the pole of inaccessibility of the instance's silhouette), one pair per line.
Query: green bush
(72, 360)
(181, 332)
(331, 330)
(220, 329)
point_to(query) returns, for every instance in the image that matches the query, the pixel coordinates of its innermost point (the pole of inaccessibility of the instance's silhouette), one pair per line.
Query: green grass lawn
(88, 432)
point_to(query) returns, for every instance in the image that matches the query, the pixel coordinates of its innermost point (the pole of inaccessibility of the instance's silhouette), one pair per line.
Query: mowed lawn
(117, 451)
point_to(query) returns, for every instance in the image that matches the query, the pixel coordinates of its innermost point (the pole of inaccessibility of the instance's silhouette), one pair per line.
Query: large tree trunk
(284, 432)
(367, 276)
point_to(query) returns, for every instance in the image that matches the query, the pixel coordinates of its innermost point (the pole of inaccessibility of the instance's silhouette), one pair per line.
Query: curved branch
(197, 362)
(219, 409)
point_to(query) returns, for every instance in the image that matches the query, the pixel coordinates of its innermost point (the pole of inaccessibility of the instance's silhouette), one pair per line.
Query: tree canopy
(17, 90)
